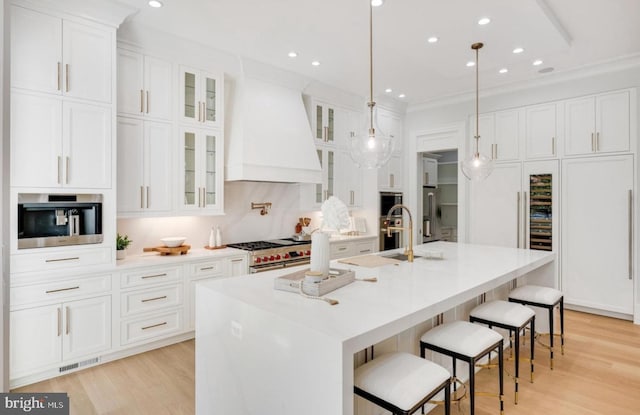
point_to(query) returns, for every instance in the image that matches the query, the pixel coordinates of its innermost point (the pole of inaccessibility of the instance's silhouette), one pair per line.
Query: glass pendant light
(477, 166)
(371, 149)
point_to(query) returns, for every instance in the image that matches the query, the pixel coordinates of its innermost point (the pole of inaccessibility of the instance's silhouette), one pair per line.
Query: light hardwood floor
(599, 374)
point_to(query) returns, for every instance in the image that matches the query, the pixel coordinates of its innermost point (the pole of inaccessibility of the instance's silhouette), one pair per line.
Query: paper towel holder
(264, 207)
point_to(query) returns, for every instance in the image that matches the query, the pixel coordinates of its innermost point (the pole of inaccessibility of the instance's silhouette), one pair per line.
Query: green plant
(122, 242)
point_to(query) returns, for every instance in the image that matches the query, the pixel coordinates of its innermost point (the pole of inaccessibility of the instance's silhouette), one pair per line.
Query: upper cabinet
(349, 187)
(390, 175)
(57, 56)
(201, 96)
(330, 124)
(499, 135)
(541, 131)
(391, 126)
(201, 167)
(429, 172)
(598, 124)
(68, 146)
(144, 86)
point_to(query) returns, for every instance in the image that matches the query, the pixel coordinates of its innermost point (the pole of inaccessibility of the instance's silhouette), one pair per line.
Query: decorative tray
(337, 278)
(169, 250)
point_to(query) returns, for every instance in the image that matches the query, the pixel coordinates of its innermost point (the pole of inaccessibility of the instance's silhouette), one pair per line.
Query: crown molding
(108, 12)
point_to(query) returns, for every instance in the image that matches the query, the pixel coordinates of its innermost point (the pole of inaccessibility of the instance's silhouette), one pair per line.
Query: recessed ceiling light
(432, 39)
(471, 63)
(537, 62)
(388, 90)
(155, 3)
(503, 70)
(484, 21)
(376, 3)
(315, 63)
(401, 96)
(518, 50)
(293, 54)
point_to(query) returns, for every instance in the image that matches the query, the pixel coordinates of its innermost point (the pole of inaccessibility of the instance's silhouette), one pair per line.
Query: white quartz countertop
(341, 238)
(405, 294)
(154, 258)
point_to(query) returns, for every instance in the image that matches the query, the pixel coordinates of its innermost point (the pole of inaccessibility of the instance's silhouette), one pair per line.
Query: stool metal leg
(551, 336)
(517, 363)
(472, 394)
(447, 401)
(533, 330)
(562, 324)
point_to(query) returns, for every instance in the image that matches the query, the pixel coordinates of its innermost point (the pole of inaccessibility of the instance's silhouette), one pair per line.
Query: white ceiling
(565, 34)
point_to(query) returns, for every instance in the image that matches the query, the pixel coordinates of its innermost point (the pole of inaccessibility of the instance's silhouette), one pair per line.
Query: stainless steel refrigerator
(431, 214)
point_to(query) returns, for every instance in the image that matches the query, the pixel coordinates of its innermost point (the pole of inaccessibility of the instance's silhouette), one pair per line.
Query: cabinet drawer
(49, 261)
(363, 248)
(340, 250)
(209, 268)
(151, 328)
(150, 299)
(148, 276)
(60, 290)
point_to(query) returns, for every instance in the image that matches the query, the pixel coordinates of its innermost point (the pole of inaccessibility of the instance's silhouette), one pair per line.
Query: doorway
(439, 196)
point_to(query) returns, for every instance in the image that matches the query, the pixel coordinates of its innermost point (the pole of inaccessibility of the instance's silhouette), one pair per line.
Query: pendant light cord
(371, 103)
(477, 106)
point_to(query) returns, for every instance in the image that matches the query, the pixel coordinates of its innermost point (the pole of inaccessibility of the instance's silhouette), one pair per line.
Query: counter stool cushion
(503, 312)
(401, 379)
(536, 294)
(462, 337)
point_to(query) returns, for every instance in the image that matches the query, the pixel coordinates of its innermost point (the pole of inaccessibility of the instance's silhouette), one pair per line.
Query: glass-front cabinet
(200, 97)
(325, 189)
(201, 168)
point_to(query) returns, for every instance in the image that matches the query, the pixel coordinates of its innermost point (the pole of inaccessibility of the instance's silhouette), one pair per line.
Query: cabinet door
(495, 216)
(87, 55)
(348, 180)
(541, 209)
(597, 254)
(324, 123)
(36, 51)
(507, 136)
(87, 145)
(429, 172)
(579, 126)
(87, 327)
(211, 176)
(486, 129)
(612, 122)
(190, 108)
(540, 138)
(238, 266)
(36, 137)
(130, 165)
(35, 339)
(130, 82)
(210, 95)
(390, 175)
(157, 163)
(158, 77)
(191, 192)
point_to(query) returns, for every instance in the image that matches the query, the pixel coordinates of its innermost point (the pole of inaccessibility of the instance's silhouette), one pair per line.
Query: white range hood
(270, 138)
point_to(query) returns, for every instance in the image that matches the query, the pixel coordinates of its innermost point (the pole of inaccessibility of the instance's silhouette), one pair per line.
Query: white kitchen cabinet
(390, 175)
(499, 135)
(326, 189)
(598, 124)
(348, 180)
(70, 143)
(144, 166)
(429, 172)
(331, 124)
(541, 131)
(58, 56)
(201, 96)
(201, 167)
(391, 125)
(352, 247)
(597, 236)
(144, 85)
(49, 335)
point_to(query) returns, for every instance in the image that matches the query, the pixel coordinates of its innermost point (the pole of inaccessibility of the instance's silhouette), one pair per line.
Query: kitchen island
(265, 351)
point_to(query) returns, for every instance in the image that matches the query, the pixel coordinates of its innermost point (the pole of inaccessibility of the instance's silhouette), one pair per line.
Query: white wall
(4, 186)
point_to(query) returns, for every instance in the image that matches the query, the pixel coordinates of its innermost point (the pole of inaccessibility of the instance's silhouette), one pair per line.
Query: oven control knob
(278, 257)
(308, 253)
(258, 260)
(271, 258)
(300, 253)
(286, 256)
(265, 259)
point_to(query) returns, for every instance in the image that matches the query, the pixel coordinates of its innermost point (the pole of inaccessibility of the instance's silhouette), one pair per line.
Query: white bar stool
(544, 297)
(402, 383)
(469, 343)
(510, 316)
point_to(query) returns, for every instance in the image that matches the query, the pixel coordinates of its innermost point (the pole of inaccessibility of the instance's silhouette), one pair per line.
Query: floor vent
(79, 364)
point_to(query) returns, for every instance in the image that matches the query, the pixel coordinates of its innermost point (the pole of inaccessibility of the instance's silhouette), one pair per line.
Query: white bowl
(173, 241)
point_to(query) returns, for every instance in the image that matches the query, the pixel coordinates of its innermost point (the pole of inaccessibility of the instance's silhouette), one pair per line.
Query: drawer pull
(154, 276)
(164, 323)
(68, 320)
(75, 258)
(154, 299)
(205, 268)
(365, 250)
(62, 289)
(344, 248)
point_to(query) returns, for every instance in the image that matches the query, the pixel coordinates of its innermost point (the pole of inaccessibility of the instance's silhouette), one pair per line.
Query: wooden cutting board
(369, 261)
(166, 250)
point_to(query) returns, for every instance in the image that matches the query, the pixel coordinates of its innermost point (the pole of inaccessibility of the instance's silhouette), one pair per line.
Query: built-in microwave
(46, 220)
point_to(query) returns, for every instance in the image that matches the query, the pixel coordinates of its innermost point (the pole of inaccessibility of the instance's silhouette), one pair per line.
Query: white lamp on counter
(335, 216)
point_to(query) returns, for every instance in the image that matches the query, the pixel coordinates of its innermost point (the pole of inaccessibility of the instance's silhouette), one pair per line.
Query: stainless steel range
(276, 253)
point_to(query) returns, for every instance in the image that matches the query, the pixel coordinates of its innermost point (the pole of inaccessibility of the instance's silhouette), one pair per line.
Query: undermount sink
(400, 257)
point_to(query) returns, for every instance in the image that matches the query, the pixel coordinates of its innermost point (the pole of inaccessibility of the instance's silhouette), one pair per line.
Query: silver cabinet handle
(68, 320)
(147, 101)
(598, 141)
(59, 77)
(495, 151)
(392, 180)
(199, 115)
(67, 74)
(164, 274)
(553, 146)
(75, 258)
(62, 289)
(352, 197)
(593, 142)
(59, 170)
(518, 221)
(206, 268)
(237, 260)
(326, 194)
(141, 100)
(59, 321)
(326, 134)
(426, 178)
(67, 168)
(164, 323)
(146, 300)
(141, 197)
(147, 197)
(204, 111)
(630, 234)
